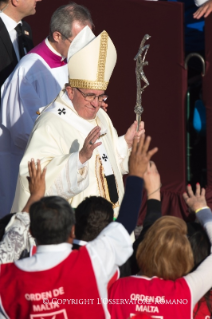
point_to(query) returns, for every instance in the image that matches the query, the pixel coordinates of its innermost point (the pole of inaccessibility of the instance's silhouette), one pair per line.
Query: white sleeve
(110, 249)
(199, 3)
(72, 179)
(2, 313)
(19, 102)
(200, 280)
(123, 153)
(16, 238)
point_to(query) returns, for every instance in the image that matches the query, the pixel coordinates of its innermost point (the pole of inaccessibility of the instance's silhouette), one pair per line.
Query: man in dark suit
(15, 35)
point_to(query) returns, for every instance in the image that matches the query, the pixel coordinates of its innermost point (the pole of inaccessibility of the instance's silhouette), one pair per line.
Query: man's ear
(14, 3)
(70, 92)
(56, 36)
(72, 235)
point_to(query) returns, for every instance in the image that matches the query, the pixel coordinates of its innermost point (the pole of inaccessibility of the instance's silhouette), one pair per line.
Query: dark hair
(63, 18)
(52, 219)
(92, 215)
(200, 245)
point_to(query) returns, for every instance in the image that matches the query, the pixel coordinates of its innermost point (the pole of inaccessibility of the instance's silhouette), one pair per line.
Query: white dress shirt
(10, 25)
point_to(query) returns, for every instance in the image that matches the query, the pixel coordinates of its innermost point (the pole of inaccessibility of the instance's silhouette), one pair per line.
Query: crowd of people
(67, 245)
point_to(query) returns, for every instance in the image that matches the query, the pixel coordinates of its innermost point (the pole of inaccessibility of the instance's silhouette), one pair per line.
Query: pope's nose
(95, 102)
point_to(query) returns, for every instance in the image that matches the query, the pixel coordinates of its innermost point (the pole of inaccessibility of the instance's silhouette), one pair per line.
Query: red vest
(162, 299)
(64, 291)
(201, 310)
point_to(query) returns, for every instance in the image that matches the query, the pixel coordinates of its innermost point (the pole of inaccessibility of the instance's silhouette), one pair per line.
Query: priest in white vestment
(75, 139)
(35, 82)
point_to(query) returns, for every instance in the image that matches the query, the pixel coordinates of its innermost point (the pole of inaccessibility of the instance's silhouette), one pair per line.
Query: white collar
(10, 24)
(53, 248)
(79, 242)
(53, 50)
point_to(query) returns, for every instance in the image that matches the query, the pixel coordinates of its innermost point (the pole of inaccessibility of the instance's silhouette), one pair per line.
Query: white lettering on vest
(146, 308)
(147, 299)
(44, 295)
(43, 307)
(39, 296)
(57, 292)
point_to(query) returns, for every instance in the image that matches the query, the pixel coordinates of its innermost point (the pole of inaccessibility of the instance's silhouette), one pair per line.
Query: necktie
(21, 41)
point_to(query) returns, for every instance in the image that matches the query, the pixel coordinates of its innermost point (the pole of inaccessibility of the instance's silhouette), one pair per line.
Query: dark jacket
(8, 59)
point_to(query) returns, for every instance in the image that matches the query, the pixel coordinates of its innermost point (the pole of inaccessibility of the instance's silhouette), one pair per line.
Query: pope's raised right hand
(89, 145)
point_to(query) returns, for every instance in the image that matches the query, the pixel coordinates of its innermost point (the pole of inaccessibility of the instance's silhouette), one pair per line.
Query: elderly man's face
(84, 108)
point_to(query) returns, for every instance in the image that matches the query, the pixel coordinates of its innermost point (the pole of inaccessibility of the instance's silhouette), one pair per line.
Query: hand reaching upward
(140, 156)
(37, 184)
(196, 201)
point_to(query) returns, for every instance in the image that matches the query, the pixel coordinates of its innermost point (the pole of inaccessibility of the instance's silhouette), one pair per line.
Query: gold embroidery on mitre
(102, 56)
(102, 182)
(100, 83)
(86, 84)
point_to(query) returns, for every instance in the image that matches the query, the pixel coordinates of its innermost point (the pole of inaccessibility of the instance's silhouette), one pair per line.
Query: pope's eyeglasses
(91, 97)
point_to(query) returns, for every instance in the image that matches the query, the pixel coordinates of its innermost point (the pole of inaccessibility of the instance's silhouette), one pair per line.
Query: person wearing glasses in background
(74, 138)
(35, 82)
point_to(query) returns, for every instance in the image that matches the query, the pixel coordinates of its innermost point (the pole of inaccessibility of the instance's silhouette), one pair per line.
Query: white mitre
(92, 66)
(80, 41)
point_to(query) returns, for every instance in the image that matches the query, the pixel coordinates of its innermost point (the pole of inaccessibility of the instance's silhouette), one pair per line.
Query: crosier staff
(140, 76)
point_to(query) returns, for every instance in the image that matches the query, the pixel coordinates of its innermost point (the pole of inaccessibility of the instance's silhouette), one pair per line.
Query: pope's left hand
(132, 133)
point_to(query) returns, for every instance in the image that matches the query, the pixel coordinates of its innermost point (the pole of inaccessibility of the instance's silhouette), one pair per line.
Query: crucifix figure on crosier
(140, 76)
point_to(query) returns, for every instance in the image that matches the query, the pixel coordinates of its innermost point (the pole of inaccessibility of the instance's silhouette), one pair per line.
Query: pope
(74, 137)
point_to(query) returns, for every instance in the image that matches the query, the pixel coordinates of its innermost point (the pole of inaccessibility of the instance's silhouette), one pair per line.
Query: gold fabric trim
(102, 56)
(102, 182)
(85, 84)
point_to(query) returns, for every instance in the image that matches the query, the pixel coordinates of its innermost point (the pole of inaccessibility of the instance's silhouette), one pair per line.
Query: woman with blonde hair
(164, 287)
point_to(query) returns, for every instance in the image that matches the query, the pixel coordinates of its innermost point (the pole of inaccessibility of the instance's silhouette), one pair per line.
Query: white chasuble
(56, 139)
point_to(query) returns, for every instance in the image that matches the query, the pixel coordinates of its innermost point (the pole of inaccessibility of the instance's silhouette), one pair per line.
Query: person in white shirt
(165, 259)
(56, 268)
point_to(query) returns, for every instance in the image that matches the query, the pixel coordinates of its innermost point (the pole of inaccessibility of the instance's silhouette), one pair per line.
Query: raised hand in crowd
(37, 183)
(152, 185)
(197, 200)
(132, 133)
(204, 10)
(152, 182)
(138, 163)
(140, 156)
(18, 224)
